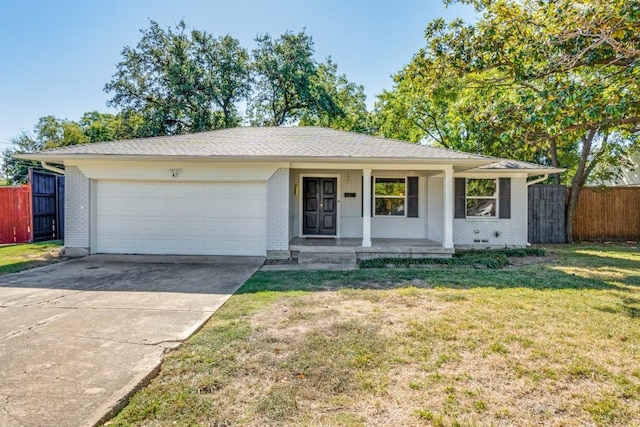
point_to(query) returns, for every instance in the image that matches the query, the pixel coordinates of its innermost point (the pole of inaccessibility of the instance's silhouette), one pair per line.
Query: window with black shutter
(482, 198)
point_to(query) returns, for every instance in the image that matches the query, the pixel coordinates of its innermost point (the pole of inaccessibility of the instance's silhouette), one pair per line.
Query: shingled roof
(297, 142)
(507, 164)
(282, 143)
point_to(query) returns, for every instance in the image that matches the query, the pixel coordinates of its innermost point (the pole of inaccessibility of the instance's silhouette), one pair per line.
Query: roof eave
(528, 171)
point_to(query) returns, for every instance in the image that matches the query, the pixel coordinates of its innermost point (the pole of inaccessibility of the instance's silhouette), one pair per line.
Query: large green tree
(98, 127)
(288, 86)
(180, 81)
(51, 132)
(348, 97)
(555, 81)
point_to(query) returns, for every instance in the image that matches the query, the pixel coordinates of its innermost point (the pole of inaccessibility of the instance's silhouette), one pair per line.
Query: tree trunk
(577, 183)
(554, 161)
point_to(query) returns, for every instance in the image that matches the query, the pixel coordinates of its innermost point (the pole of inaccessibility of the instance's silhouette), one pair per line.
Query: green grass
(21, 257)
(553, 343)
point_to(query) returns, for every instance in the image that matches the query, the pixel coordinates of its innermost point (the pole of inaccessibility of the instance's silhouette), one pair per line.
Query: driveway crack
(162, 343)
(32, 327)
(43, 303)
(169, 310)
(5, 409)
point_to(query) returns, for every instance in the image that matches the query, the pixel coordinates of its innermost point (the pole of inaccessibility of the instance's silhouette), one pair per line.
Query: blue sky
(57, 55)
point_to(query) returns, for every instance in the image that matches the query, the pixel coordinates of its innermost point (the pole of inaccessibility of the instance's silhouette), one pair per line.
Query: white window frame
(494, 197)
(374, 196)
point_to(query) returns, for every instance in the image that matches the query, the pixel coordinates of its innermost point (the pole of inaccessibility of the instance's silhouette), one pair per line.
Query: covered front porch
(379, 207)
(351, 250)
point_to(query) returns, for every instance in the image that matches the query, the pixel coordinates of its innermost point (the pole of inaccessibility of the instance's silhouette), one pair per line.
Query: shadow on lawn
(630, 307)
(616, 274)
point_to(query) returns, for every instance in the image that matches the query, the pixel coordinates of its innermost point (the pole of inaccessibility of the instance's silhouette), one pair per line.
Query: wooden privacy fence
(609, 213)
(34, 212)
(47, 205)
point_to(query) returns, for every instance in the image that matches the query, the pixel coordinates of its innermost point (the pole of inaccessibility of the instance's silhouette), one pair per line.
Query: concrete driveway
(77, 337)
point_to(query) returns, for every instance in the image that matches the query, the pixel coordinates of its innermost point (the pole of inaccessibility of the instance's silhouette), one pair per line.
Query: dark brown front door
(319, 206)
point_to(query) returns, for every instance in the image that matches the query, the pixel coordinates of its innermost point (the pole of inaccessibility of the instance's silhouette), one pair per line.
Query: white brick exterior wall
(278, 211)
(512, 232)
(76, 212)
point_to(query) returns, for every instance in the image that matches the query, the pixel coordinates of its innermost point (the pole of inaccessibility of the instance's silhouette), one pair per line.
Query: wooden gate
(547, 213)
(47, 201)
(15, 214)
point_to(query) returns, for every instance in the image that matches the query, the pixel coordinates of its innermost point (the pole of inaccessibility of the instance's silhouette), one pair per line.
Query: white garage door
(180, 218)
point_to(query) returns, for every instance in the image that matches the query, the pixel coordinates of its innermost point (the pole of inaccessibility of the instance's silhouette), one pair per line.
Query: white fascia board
(437, 165)
(528, 172)
(495, 174)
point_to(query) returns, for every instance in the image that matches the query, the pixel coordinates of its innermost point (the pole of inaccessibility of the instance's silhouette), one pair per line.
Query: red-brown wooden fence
(610, 213)
(15, 214)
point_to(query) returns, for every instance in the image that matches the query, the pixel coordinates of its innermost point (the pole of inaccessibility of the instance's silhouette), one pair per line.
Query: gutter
(51, 168)
(535, 181)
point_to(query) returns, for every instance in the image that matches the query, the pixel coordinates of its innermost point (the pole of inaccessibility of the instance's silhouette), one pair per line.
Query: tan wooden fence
(609, 213)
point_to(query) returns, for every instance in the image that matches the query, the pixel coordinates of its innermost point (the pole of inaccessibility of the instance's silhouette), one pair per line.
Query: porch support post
(447, 203)
(366, 208)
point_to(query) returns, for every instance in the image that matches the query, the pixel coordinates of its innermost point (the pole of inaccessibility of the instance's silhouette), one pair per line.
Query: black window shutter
(460, 191)
(504, 187)
(412, 196)
(373, 189)
(362, 196)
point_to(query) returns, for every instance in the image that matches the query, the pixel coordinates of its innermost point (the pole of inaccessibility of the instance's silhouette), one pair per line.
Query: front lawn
(556, 343)
(20, 257)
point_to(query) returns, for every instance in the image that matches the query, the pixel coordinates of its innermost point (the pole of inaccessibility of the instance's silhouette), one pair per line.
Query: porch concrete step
(309, 257)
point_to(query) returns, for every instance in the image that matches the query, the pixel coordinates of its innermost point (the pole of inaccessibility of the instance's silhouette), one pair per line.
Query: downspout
(52, 168)
(535, 181)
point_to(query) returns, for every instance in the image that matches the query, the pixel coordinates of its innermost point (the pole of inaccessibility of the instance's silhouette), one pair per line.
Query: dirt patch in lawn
(362, 357)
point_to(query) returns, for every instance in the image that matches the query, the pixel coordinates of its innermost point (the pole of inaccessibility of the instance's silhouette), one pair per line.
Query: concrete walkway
(77, 337)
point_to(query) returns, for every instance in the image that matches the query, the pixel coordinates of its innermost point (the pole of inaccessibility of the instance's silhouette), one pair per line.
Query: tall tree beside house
(98, 127)
(409, 113)
(348, 96)
(556, 81)
(180, 81)
(51, 132)
(15, 171)
(287, 82)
